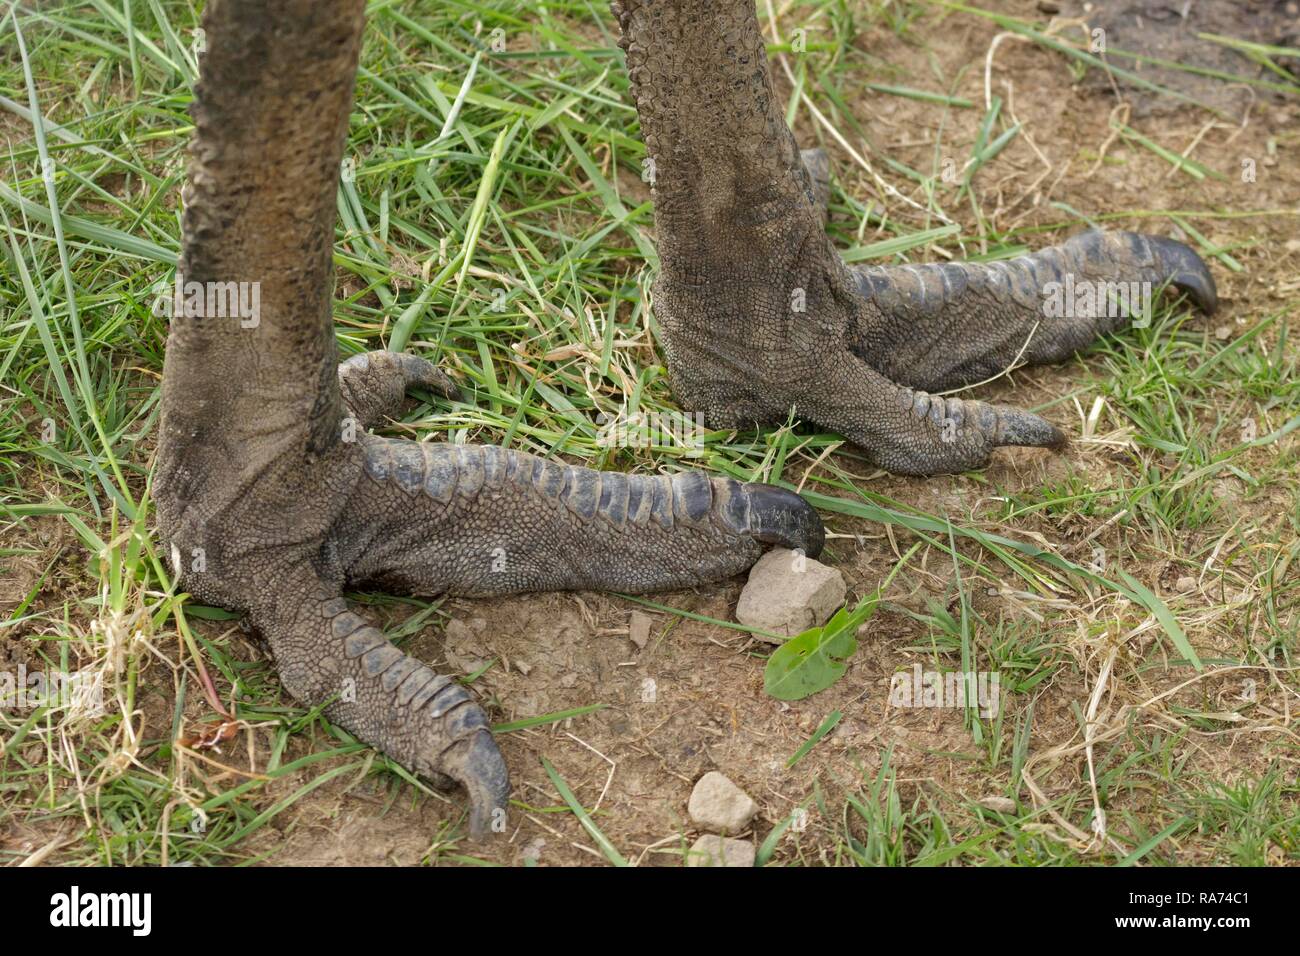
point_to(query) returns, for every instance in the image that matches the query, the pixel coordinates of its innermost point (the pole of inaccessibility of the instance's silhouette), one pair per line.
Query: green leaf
(1164, 616)
(814, 660)
(602, 841)
(769, 845)
(827, 726)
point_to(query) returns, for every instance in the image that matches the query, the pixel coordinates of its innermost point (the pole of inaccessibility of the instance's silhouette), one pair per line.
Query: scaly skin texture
(271, 495)
(760, 314)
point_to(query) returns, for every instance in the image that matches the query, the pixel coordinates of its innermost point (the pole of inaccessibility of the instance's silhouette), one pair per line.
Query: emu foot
(480, 520)
(273, 498)
(858, 351)
(432, 519)
(759, 313)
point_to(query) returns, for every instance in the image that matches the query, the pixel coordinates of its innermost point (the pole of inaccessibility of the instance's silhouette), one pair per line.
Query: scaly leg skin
(478, 520)
(818, 164)
(272, 499)
(759, 313)
(940, 326)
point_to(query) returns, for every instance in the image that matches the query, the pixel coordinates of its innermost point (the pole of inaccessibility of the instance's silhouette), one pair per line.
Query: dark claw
(780, 517)
(477, 765)
(1018, 427)
(1187, 271)
(423, 372)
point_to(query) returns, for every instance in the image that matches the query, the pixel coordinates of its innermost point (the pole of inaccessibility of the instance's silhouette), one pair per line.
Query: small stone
(718, 804)
(787, 593)
(524, 668)
(712, 850)
(638, 629)
(998, 804)
(1185, 583)
(1050, 7)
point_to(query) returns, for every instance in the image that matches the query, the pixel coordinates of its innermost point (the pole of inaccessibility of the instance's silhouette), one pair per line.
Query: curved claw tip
(1187, 272)
(441, 383)
(447, 389)
(779, 516)
(1018, 427)
(477, 765)
(421, 371)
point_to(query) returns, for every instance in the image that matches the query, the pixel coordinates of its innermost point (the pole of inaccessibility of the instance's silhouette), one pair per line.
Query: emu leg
(262, 472)
(760, 315)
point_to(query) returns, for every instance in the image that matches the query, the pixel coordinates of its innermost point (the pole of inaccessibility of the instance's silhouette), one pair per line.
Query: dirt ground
(634, 761)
